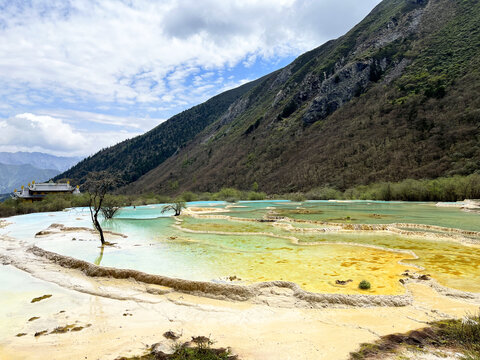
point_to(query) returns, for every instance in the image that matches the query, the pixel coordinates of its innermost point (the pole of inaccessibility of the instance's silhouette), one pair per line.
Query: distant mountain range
(20, 168)
(39, 160)
(397, 97)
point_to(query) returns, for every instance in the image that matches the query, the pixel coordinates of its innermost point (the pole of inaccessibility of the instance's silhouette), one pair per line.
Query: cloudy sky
(80, 75)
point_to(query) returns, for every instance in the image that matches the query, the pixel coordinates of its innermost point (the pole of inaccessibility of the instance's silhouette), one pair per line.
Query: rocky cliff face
(351, 80)
(351, 77)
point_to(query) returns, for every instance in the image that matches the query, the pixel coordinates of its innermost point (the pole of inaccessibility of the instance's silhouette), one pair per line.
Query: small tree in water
(177, 206)
(97, 185)
(109, 207)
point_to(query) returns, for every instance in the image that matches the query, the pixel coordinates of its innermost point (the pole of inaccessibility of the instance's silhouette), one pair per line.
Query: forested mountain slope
(397, 97)
(134, 157)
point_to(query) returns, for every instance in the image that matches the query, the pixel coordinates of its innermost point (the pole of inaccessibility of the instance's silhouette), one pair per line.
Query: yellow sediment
(353, 264)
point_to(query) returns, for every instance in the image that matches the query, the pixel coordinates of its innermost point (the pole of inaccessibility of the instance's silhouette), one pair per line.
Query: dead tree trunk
(95, 205)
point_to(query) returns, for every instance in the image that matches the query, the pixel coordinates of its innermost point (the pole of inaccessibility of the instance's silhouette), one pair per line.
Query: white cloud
(30, 132)
(140, 51)
(128, 59)
(86, 118)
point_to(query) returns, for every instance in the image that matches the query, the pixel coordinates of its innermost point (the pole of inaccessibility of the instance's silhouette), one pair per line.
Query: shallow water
(155, 245)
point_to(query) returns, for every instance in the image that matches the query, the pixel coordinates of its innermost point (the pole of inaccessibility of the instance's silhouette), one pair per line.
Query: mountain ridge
(39, 160)
(14, 176)
(134, 157)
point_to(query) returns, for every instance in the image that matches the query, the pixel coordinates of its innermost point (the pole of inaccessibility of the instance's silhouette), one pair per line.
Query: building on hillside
(35, 192)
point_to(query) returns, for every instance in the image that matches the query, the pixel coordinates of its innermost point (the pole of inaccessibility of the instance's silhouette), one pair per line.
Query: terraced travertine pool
(312, 243)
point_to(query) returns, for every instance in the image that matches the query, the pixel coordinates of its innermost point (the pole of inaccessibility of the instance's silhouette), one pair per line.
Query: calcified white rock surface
(128, 310)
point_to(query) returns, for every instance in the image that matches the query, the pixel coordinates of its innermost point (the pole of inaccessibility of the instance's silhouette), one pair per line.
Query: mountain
(397, 97)
(14, 176)
(134, 157)
(39, 160)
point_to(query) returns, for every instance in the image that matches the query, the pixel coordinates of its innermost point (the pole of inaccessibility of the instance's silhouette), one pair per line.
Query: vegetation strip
(462, 336)
(199, 348)
(456, 188)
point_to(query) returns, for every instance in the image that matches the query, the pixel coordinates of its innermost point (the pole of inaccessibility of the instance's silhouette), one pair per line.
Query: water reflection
(99, 258)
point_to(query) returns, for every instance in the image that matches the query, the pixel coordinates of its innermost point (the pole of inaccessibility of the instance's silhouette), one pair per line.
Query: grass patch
(199, 348)
(364, 285)
(464, 334)
(460, 335)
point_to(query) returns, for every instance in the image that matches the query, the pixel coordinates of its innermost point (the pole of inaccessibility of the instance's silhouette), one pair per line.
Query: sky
(80, 75)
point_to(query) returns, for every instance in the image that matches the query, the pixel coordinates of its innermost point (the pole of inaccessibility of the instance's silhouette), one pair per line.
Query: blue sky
(81, 75)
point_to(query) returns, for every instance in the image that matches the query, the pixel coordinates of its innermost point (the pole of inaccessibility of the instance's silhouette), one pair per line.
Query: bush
(298, 196)
(364, 285)
(188, 196)
(228, 194)
(253, 195)
(324, 193)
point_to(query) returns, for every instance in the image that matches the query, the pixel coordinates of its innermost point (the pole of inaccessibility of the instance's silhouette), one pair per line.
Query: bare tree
(176, 206)
(109, 211)
(98, 184)
(109, 207)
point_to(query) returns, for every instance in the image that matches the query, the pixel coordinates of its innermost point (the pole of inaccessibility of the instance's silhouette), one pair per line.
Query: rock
(343, 282)
(340, 88)
(162, 351)
(171, 335)
(40, 333)
(394, 338)
(424, 277)
(417, 338)
(402, 281)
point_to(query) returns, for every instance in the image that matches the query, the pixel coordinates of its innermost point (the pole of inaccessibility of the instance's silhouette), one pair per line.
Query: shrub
(324, 193)
(227, 194)
(298, 196)
(364, 285)
(188, 196)
(253, 195)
